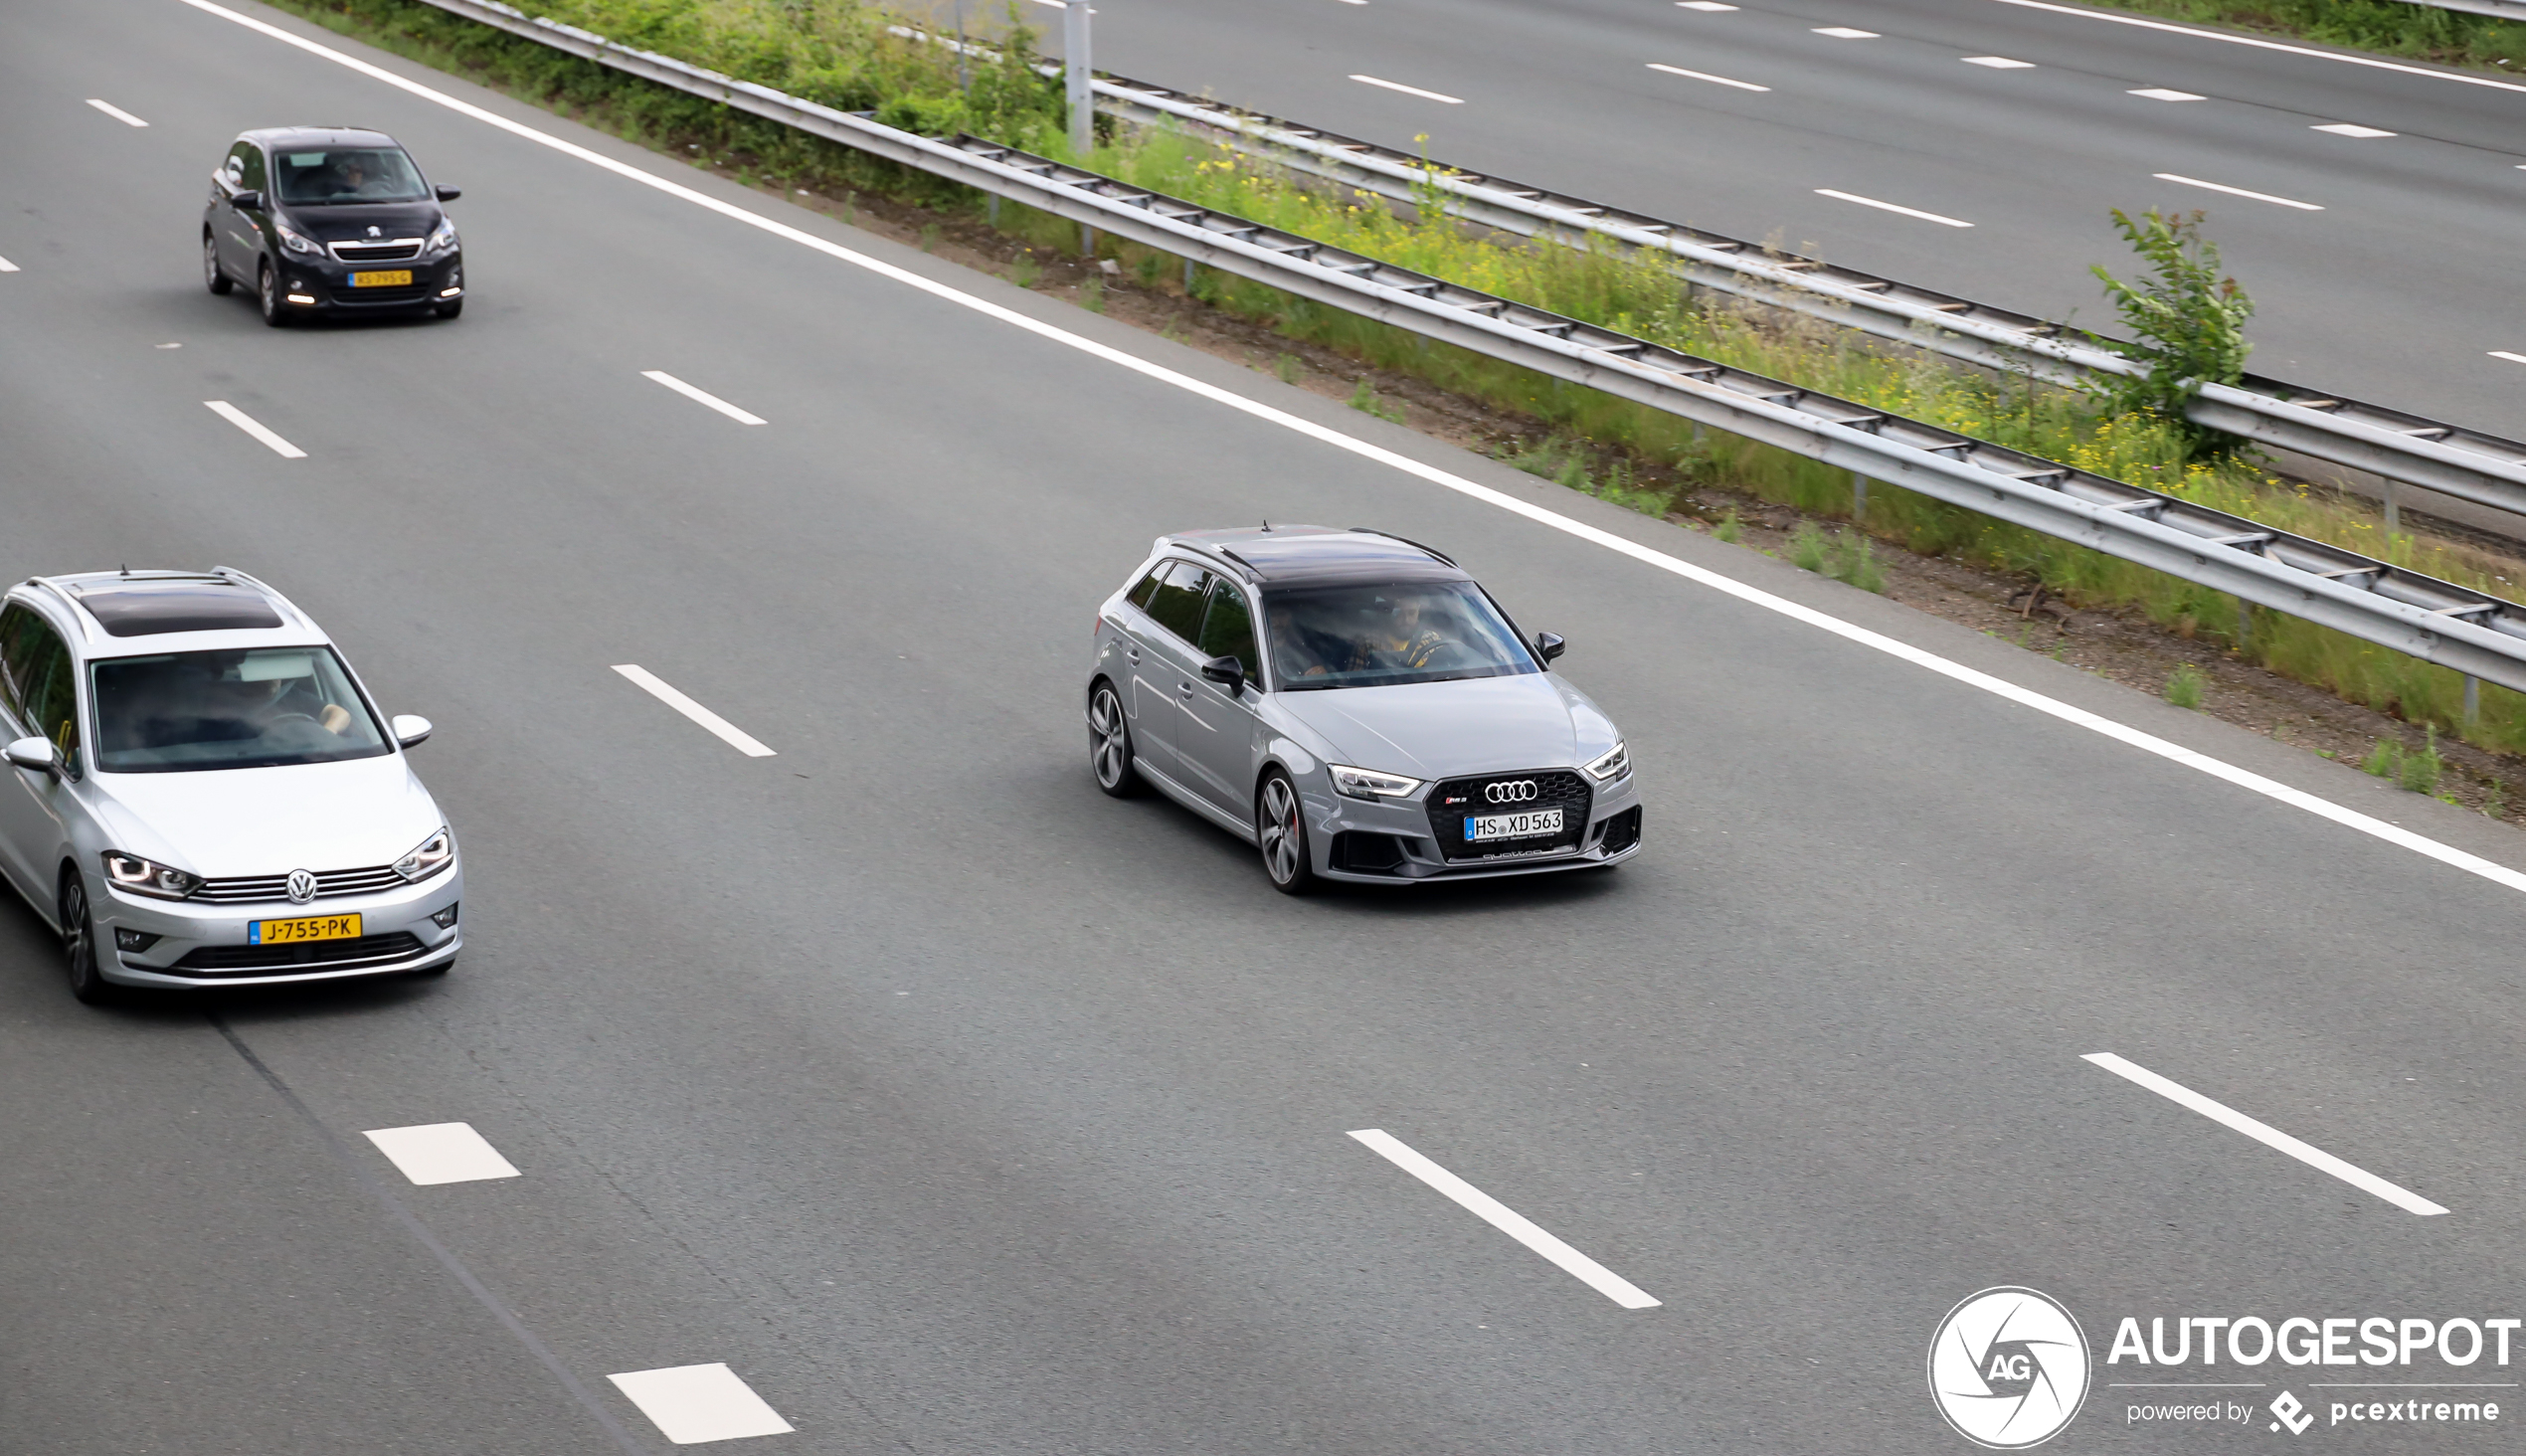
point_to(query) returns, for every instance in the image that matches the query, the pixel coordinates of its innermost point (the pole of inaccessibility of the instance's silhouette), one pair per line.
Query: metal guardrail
(2467, 464)
(2436, 621)
(2499, 9)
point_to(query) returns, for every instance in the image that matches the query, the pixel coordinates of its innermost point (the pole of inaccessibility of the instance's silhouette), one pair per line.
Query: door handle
(1133, 656)
(1185, 687)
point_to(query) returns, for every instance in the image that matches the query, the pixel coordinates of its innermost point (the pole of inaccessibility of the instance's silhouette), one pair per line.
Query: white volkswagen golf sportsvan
(203, 795)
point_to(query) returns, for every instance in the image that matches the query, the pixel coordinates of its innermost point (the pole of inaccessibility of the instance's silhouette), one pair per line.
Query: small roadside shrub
(2418, 772)
(1729, 529)
(2184, 686)
(1806, 548)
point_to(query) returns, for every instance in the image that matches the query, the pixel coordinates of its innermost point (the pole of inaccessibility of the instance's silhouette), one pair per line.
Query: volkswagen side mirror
(1229, 673)
(35, 754)
(246, 201)
(449, 194)
(1549, 646)
(410, 731)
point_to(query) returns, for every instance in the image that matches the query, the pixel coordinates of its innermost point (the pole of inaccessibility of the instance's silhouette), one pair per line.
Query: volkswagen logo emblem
(302, 887)
(1510, 791)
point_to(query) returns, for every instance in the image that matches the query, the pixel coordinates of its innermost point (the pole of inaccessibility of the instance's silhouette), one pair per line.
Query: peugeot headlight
(429, 857)
(1615, 764)
(1369, 784)
(148, 878)
(294, 241)
(443, 238)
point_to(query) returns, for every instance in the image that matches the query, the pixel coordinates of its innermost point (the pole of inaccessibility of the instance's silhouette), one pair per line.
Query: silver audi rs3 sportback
(203, 795)
(1356, 708)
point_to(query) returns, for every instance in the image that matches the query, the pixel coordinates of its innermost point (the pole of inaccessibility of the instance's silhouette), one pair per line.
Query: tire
(449, 310)
(1279, 831)
(78, 944)
(213, 275)
(1110, 756)
(268, 296)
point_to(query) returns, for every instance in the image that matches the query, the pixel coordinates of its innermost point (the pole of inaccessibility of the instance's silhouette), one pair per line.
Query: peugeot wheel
(267, 293)
(79, 944)
(1280, 829)
(1110, 744)
(212, 273)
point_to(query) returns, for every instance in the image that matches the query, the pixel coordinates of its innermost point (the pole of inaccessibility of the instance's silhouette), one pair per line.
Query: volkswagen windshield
(246, 708)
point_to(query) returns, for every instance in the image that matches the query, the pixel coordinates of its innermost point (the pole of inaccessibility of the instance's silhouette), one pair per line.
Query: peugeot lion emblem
(372, 230)
(302, 887)
(1514, 791)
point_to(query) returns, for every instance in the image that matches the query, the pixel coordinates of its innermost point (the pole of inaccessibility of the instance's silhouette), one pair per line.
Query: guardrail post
(1859, 497)
(964, 59)
(2472, 699)
(1077, 78)
(2394, 507)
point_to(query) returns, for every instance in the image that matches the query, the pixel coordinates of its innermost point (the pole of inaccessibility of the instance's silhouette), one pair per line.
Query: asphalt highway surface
(951, 1106)
(2384, 257)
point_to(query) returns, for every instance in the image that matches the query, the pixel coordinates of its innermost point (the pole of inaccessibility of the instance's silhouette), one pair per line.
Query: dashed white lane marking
(254, 428)
(2238, 192)
(1498, 1215)
(1710, 5)
(2369, 825)
(441, 1153)
(117, 112)
(2511, 358)
(2162, 93)
(1998, 63)
(7, 267)
(1845, 33)
(702, 397)
(728, 732)
(1410, 90)
(2263, 45)
(2270, 1137)
(1704, 76)
(1910, 212)
(2346, 128)
(690, 1404)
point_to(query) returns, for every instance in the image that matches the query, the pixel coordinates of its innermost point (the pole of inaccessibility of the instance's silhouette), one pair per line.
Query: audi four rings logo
(1514, 791)
(301, 886)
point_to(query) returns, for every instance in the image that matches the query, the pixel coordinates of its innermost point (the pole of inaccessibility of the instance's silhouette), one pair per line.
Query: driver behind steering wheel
(1412, 645)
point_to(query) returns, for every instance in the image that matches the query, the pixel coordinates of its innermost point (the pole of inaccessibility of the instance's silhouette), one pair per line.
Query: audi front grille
(1451, 802)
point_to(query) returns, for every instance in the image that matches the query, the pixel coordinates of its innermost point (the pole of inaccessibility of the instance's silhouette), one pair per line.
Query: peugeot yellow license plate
(312, 928)
(400, 277)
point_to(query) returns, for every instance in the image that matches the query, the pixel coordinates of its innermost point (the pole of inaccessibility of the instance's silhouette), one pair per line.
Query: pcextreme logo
(2009, 1367)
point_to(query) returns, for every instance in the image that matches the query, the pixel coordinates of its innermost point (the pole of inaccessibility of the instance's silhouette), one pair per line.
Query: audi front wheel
(1280, 830)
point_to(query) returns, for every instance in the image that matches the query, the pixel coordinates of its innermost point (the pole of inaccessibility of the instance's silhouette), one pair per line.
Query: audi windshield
(248, 708)
(1380, 636)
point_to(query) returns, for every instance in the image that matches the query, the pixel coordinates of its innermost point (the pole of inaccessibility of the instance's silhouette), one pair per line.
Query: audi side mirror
(1549, 646)
(1229, 673)
(449, 194)
(246, 201)
(410, 731)
(35, 754)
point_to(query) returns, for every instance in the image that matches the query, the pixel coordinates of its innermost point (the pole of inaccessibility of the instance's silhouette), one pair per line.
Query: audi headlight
(1615, 764)
(429, 857)
(1369, 784)
(295, 243)
(148, 878)
(443, 238)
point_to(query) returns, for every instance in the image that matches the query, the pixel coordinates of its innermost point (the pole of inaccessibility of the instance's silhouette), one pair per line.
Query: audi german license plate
(309, 928)
(1525, 825)
(400, 277)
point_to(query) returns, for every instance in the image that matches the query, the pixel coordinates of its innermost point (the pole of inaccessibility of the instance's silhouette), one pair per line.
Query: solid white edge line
(7, 267)
(1507, 1220)
(728, 732)
(692, 1404)
(1846, 33)
(1997, 63)
(2270, 1137)
(2165, 94)
(1704, 76)
(2511, 358)
(1708, 5)
(702, 397)
(2238, 192)
(1410, 90)
(117, 112)
(2130, 737)
(254, 428)
(1910, 212)
(2263, 45)
(2353, 129)
(441, 1153)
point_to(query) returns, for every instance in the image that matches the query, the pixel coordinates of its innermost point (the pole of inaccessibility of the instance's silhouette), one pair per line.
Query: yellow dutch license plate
(400, 277)
(313, 928)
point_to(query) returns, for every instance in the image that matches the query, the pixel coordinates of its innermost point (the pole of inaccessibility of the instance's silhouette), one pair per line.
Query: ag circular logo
(2009, 1367)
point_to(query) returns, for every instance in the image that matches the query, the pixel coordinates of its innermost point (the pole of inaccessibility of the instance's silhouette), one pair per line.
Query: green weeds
(2448, 37)
(2184, 686)
(2417, 772)
(1365, 400)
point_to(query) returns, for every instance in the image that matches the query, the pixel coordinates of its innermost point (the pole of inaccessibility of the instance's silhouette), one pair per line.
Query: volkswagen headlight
(150, 877)
(1615, 762)
(443, 238)
(1369, 784)
(429, 857)
(294, 241)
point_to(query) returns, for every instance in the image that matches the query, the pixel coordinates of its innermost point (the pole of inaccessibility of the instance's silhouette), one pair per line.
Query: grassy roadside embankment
(2384, 27)
(837, 51)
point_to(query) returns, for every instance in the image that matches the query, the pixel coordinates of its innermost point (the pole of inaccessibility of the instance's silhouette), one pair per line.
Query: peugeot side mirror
(246, 201)
(32, 753)
(410, 731)
(449, 194)
(1549, 646)
(1229, 673)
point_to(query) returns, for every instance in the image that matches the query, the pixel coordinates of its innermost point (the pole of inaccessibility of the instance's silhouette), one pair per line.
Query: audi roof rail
(1409, 541)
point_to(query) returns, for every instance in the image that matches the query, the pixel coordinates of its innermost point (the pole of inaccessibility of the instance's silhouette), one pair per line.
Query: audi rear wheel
(1280, 830)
